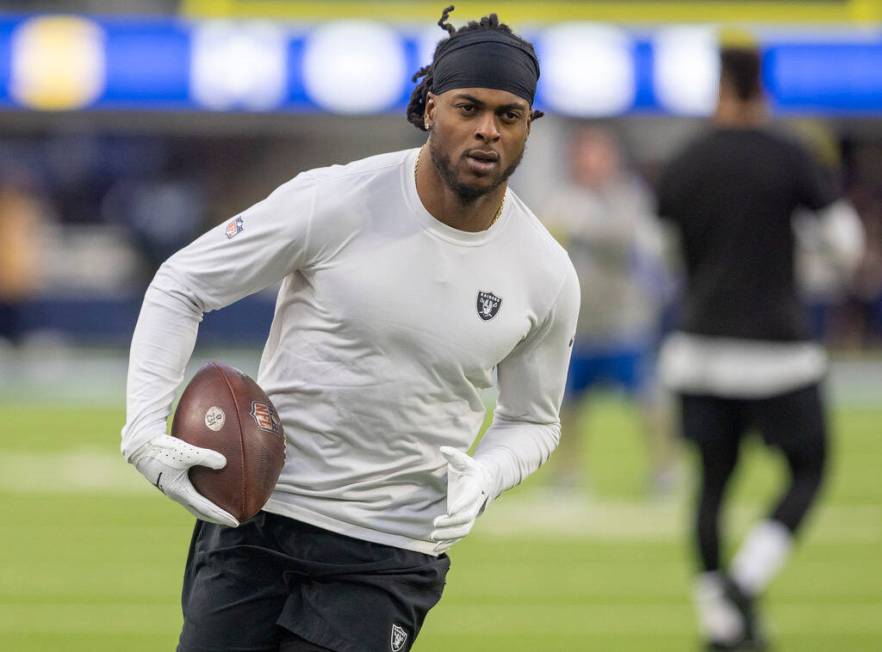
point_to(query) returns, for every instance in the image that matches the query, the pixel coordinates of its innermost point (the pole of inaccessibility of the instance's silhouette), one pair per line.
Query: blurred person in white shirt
(603, 216)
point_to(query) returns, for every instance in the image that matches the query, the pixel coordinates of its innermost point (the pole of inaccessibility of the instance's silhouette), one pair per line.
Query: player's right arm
(253, 251)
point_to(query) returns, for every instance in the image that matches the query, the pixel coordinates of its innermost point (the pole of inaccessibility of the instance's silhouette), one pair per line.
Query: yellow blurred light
(737, 37)
(518, 12)
(57, 63)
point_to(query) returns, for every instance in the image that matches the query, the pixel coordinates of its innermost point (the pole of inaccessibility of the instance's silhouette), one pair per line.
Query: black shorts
(244, 587)
(793, 421)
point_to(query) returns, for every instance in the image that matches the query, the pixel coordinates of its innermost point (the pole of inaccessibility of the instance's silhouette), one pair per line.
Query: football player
(410, 281)
(742, 358)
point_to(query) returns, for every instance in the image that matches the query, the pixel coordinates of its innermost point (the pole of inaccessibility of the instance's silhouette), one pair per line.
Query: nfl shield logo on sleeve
(488, 305)
(399, 638)
(235, 227)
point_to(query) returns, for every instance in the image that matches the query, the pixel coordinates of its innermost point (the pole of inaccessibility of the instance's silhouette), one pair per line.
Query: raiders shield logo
(488, 305)
(266, 417)
(399, 638)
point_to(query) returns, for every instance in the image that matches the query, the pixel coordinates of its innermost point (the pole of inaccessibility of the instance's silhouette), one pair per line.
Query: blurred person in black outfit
(742, 358)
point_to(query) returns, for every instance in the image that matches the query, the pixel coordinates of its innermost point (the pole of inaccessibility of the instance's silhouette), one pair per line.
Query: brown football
(225, 410)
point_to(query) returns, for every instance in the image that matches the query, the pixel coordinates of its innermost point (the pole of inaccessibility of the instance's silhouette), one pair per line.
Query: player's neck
(741, 115)
(445, 204)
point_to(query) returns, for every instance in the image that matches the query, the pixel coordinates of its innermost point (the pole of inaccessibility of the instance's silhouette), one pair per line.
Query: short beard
(467, 194)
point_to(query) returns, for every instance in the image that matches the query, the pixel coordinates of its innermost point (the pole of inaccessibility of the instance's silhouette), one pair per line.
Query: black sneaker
(754, 637)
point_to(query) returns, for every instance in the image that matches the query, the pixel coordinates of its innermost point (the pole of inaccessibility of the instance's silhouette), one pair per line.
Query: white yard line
(540, 514)
(545, 517)
(77, 471)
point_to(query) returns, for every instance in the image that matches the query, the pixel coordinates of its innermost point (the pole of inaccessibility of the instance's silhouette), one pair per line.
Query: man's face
(477, 138)
(594, 157)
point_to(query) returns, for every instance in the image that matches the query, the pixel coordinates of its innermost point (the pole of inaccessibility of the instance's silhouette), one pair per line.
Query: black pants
(794, 423)
(277, 584)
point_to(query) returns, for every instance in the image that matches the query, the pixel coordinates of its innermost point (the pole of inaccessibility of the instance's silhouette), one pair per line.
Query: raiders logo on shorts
(488, 305)
(399, 638)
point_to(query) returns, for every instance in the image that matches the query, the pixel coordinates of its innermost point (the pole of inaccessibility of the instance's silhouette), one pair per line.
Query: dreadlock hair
(416, 107)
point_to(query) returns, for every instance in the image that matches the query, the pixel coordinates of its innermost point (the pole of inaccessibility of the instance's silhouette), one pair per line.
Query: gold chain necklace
(416, 168)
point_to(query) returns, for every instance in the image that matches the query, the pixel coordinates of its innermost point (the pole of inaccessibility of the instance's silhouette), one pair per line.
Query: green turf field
(91, 555)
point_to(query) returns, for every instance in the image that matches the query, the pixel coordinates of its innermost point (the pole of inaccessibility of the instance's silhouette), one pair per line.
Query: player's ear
(431, 108)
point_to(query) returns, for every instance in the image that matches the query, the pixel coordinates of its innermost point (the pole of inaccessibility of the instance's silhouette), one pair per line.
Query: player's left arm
(526, 423)
(841, 232)
(842, 237)
(532, 379)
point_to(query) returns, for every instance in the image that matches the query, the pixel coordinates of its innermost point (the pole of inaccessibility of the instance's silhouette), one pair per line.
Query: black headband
(486, 59)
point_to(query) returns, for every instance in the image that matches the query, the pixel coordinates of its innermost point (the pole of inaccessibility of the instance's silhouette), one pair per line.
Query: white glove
(165, 461)
(468, 488)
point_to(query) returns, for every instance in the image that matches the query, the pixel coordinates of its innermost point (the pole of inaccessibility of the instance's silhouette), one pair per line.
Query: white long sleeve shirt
(388, 325)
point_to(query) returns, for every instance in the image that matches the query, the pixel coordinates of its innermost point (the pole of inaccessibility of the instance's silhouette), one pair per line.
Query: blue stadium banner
(69, 62)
